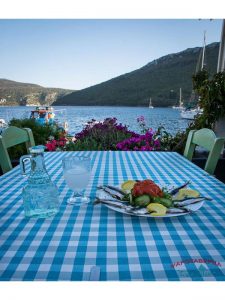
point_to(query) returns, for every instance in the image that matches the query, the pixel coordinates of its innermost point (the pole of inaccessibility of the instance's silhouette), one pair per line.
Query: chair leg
(31, 142)
(214, 156)
(190, 147)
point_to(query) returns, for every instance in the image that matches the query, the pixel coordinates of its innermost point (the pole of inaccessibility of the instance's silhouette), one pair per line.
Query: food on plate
(128, 185)
(142, 201)
(148, 194)
(146, 187)
(186, 193)
(146, 197)
(156, 209)
(167, 202)
(146, 191)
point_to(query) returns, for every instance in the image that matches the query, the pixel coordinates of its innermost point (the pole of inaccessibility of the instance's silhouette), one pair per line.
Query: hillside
(159, 79)
(18, 93)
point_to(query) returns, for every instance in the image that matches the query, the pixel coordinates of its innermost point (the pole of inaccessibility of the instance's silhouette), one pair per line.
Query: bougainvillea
(111, 135)
(142, 142)
(56, 145)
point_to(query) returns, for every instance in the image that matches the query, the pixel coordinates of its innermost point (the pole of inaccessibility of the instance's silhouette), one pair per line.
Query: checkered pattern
(66, 246)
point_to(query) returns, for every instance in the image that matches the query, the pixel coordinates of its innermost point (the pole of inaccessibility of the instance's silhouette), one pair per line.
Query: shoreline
(1, 106)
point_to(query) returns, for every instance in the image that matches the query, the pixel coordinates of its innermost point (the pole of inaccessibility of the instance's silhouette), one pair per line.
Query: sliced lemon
(156, 209)
(128, 185)
(186, 193)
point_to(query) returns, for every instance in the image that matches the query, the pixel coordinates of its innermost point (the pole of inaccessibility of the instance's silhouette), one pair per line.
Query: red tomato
(146, 187)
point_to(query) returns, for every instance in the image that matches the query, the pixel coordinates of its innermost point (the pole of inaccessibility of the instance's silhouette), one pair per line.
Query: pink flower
(141, 119)
(50, 146)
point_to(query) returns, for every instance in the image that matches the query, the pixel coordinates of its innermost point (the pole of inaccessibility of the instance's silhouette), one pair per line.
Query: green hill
(159, 79)
(19, 93)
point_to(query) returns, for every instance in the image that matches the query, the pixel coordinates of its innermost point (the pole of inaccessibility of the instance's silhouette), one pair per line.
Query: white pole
(180, 98)
(221, 57)
(203, 51)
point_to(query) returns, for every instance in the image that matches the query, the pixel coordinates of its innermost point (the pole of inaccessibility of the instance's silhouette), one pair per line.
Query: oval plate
(194, 207)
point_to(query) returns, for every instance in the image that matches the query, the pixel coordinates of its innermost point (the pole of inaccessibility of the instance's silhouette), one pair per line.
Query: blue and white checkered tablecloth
(65, 247)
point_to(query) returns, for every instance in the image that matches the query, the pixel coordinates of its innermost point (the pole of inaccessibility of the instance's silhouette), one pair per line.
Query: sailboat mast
(203, 51)
(180, 97)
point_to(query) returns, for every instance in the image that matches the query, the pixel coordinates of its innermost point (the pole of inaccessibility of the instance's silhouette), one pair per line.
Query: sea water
(78, 116)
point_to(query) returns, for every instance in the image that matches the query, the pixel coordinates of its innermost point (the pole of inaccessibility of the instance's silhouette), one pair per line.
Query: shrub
(41, 134)
(164, 140)
(211, 93)
(109, 135)
(142, 142)
(103, 135)
(212, 96)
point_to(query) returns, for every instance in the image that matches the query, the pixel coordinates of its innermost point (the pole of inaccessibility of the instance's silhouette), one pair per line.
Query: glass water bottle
(40, 196)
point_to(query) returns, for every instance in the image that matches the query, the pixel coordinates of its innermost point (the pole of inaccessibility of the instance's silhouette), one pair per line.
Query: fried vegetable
(142, 201)
(156, 209)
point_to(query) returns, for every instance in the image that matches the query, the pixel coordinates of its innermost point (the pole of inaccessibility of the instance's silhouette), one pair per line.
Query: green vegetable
(164, 201)
(142, 201)
(166, 194)
(131, 199)
(126, 197)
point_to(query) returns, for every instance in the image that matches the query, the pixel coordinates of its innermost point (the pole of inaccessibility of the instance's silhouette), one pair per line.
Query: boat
(2, 123)
(190, 114)
(150, 103)
(46, 115)
(43, 115)
(2, 100)
(181, 105)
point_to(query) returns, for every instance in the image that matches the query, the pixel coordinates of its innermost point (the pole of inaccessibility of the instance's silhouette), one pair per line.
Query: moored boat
(46, 115)
(190, 114)
(181, 104)
(43, 115)
(2, 123)
(150, 103)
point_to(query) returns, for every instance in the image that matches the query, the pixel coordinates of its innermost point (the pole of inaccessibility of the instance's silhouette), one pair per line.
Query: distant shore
(93, 105)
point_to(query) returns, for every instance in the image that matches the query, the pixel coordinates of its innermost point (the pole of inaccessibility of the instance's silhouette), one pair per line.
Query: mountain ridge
(21, 93)
(159, 79)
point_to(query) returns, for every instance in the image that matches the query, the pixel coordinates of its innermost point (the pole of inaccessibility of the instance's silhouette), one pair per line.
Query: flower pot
(219, 127)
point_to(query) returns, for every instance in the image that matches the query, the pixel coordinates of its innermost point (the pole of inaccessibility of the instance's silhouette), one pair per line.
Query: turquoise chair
(10, 137)
(207, 139)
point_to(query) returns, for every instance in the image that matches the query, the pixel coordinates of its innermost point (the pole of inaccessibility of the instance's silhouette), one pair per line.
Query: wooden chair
(207, 139)
(10, 137)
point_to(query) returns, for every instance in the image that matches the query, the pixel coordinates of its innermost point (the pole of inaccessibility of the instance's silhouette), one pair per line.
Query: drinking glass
(77, 172)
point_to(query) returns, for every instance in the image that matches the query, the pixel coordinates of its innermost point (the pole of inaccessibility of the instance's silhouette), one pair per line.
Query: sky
(76, 54)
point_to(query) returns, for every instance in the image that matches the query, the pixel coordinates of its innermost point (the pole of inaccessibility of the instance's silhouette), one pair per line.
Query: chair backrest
(207, 139)
(10, 137)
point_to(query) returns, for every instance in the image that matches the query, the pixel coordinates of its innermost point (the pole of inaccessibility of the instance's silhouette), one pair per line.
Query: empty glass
(77, 172)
